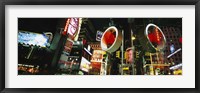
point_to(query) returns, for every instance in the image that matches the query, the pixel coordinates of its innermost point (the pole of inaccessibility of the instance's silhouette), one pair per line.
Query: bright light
(87, 51)
(85, 64)
(88, 47)
(133, 38)
(32, 39)
(78, 42)
(176, 66)
(174, 53)
(66, 25)
(40, 40)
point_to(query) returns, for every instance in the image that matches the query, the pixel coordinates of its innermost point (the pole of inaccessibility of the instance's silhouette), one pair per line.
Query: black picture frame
(98, 2)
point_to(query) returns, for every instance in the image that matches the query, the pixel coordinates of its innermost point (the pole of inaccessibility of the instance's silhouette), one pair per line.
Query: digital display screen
(99, 35)
(68, 46)
(32, 39)
(73, 26)
(85, 64)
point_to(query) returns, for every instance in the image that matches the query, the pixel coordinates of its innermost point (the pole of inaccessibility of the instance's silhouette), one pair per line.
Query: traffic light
(118, 54)
(147, 53)
(137, 54)
(125, 55)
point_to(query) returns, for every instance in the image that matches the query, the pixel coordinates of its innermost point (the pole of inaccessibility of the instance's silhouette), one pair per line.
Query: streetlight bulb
(133, 38)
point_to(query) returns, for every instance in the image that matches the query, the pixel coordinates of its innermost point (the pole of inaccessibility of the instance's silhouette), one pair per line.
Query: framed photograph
(99, 46)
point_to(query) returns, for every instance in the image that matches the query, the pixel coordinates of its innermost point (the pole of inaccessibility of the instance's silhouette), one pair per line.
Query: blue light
(30, 38)
(172, 49)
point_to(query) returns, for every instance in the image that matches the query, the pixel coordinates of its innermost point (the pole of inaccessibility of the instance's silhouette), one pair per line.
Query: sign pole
(122, 53)
(133, 63)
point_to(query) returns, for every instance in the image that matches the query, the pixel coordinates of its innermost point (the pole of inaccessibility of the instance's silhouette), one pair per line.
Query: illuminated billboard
(30, 38)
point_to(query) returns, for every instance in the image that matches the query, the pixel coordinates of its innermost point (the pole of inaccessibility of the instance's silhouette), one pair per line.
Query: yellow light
(133, 38)
(125, 68)
(178, 72)
(118, 54)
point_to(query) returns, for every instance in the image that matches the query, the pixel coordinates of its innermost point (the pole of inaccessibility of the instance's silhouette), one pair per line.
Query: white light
(78, 42)
(133, 38)
(87, 51)
(88, 47)
(176, 66)
(174, 53)
(40, 40)
(84, 61)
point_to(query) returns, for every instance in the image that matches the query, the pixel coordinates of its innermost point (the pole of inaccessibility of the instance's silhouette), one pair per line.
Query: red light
(180, 39)
(66, 27)
(155, 36)
(84, 41)
(109, 38)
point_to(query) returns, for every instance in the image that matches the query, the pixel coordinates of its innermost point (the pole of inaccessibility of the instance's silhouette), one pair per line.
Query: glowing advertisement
(85, 64)
(29, 38)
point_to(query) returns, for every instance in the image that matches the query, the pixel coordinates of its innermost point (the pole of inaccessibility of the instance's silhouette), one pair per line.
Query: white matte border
(186, 12)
